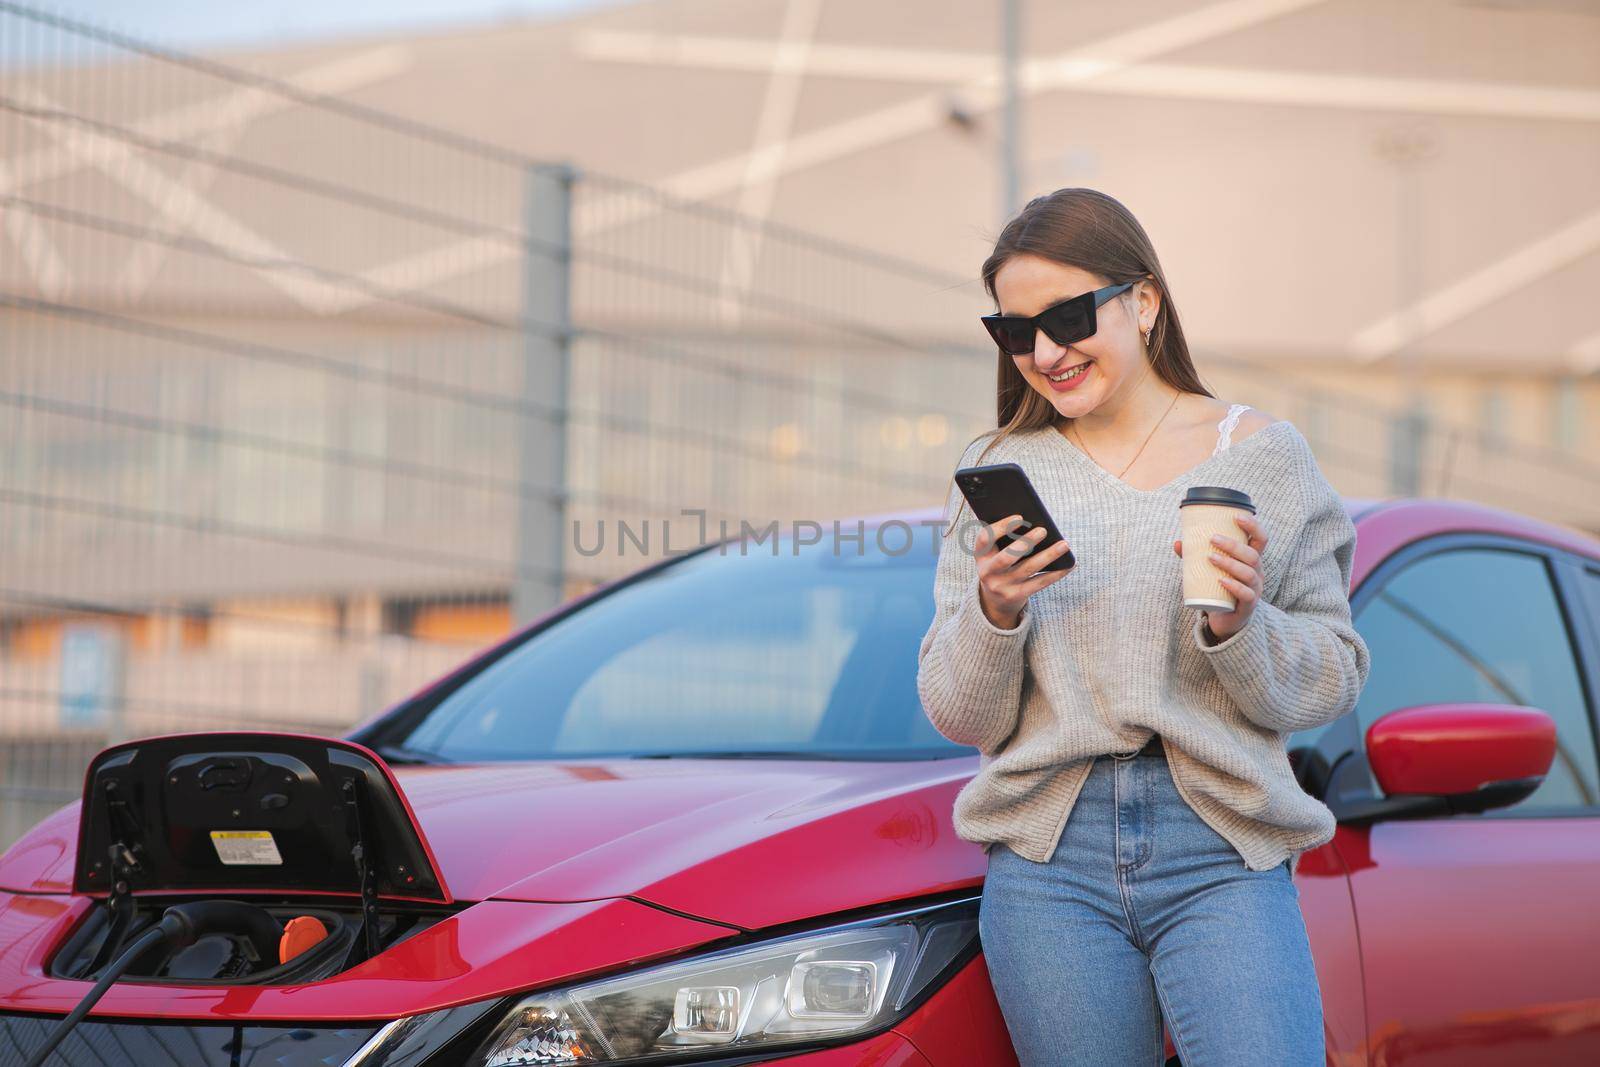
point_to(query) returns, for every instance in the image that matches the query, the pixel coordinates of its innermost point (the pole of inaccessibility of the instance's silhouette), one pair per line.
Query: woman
(1140, 814)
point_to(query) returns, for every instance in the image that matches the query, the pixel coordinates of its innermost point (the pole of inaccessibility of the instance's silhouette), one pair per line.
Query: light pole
(1011, 110)
(1408, 149)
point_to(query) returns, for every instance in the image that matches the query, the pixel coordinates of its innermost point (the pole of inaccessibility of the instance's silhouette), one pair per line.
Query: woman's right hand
(1008, 576)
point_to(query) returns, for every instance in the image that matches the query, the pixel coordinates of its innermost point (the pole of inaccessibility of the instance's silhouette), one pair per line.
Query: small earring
(1147, 336)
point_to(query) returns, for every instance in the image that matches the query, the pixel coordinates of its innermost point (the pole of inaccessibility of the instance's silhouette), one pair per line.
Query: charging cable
(181, 926)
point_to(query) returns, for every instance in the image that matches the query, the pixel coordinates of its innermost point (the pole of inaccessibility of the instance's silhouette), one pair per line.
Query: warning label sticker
(246, 847)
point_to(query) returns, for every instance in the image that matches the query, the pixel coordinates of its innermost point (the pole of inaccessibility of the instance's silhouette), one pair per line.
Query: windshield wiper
(807, 754)
(399, 755)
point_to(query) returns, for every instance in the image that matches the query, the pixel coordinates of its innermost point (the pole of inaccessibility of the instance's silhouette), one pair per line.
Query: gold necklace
(1073, 426)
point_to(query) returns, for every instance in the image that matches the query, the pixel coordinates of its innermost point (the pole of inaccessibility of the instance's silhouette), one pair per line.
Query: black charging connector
(181, 926)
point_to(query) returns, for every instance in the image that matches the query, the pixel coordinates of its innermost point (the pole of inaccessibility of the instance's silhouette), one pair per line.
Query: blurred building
(1345, 191)
(312, 359)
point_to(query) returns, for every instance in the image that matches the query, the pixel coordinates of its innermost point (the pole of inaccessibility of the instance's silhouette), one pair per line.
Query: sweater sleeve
(969, 671)
(1298, 661)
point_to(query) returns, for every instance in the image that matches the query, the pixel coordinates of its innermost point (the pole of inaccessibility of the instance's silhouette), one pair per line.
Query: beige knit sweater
(1108, 654)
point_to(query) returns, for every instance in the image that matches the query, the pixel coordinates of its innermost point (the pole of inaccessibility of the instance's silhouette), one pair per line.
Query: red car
(698, 817)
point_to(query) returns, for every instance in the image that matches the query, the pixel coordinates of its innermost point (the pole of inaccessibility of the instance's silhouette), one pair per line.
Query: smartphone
(1001, 490)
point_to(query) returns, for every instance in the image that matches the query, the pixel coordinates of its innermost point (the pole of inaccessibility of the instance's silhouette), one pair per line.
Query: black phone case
(1001, 489)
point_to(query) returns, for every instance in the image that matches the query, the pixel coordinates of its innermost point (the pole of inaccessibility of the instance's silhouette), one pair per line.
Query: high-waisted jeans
(1145, 913)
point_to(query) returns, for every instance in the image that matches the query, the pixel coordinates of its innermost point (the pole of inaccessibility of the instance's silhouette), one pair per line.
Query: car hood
(748, 843)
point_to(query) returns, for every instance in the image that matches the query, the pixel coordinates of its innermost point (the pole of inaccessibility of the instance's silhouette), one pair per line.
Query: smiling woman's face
(1111, 357)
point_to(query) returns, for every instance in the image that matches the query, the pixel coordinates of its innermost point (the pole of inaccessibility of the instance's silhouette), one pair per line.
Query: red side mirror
(1444, 749)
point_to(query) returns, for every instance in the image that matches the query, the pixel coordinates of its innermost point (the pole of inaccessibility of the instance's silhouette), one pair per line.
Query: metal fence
(301, 403)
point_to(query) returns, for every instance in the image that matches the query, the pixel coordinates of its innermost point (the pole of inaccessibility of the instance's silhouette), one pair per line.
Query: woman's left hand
(1241, 578)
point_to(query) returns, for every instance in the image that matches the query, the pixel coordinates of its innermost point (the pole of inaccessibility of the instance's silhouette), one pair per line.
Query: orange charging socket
(299, 934)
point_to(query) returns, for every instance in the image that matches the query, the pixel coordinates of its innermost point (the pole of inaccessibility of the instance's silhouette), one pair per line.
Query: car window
(1482, 625)
(717, 653)
(1591, 592)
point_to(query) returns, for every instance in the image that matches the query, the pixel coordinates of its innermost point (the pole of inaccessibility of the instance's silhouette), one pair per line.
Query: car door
(1479, 933)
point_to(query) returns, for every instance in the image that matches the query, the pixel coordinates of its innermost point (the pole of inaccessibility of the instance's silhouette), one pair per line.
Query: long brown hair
(1086, 229)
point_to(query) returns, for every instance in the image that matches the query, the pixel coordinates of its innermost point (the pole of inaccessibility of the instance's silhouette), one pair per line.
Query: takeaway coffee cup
(1206, 510)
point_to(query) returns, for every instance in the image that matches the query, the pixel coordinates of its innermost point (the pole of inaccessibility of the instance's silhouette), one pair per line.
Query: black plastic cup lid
(1216, 494)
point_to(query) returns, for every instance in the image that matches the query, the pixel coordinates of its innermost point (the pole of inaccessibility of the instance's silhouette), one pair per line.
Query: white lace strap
(1225, 427)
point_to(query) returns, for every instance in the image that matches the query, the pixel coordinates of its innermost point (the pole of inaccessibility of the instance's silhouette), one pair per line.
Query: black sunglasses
(1066, 322)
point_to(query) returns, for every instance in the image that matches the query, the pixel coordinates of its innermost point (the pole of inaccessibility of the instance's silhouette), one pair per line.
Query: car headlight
(838, 983)
(834, 984)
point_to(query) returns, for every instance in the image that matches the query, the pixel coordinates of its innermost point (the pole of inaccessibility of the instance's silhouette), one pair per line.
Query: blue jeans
(1145, 913)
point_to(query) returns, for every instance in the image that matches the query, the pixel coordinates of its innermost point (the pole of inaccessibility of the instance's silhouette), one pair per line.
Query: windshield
(808, 656)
